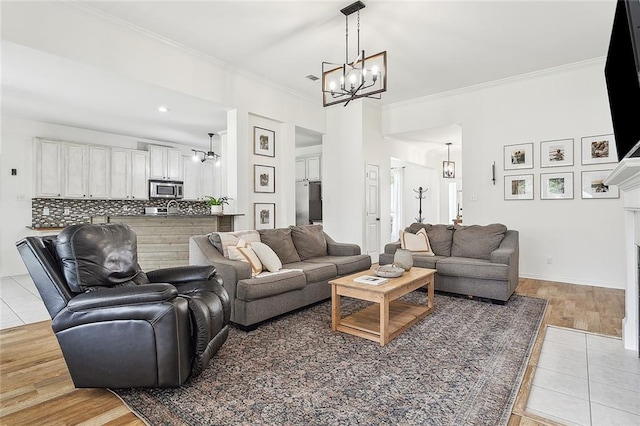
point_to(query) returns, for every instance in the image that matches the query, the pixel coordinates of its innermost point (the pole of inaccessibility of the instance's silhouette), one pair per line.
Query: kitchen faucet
(175, 204)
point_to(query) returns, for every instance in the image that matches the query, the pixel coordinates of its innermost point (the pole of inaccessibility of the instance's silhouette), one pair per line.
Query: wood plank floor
(35, 386)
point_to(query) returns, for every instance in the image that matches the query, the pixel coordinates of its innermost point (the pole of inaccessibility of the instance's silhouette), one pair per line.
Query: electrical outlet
(45, 211)
(67, 211)
(474, 198)
(549, 260)
(125, 208)
(20, 197)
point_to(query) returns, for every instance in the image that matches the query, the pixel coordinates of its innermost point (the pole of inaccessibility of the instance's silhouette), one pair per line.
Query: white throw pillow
(418, 242)
(267, 256)
(244, 253)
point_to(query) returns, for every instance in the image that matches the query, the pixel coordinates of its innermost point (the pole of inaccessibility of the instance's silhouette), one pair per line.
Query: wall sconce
(448, 167)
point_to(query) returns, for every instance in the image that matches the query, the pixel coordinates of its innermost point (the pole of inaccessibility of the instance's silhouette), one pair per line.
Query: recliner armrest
(121, 296)
(182, 274)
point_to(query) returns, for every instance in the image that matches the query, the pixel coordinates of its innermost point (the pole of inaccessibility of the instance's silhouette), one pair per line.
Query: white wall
(584, 238)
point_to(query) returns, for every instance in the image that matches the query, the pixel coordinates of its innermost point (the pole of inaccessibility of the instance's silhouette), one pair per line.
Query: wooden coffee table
(389, 317)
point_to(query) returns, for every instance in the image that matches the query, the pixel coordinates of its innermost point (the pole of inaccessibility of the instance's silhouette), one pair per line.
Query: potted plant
(217, 203)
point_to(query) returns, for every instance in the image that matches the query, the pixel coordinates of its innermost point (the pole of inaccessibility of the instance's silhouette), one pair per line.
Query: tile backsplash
(81, 211)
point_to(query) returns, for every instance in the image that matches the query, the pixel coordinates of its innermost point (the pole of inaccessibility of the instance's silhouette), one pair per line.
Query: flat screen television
(622, 75)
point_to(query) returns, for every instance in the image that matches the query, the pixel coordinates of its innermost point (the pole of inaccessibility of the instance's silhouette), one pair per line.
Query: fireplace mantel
(626, 176)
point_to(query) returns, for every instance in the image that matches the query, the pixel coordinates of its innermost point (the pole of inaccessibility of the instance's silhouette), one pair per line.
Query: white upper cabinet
(308, 168)
(75, 176)
(207, 179)
(165, 163)
(198, 179)
(98, 171)
(48, 168)
(129, 174)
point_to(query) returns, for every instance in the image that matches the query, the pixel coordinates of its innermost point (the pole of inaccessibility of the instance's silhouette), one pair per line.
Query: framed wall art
(518, 156)
(556, 153)
(264, 142)
(264, 178)
(599, 150)
(264, 215)
(593, 185)
(518, 187)
(556, 186)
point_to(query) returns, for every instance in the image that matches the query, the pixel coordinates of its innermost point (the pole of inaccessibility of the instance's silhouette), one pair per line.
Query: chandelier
(364, 77)
(209, 155)
(448, 167)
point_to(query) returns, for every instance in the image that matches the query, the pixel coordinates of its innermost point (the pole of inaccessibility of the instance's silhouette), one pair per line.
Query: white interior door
(372, 220)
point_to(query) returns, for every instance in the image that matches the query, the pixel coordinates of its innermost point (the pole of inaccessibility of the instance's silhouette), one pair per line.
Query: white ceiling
(433, 47)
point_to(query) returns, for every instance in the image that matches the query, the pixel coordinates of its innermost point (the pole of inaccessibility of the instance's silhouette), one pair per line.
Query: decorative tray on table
(389, 271)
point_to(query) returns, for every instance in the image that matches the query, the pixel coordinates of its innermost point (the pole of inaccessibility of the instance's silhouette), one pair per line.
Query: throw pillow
(418, 242)
(440, 237)
(477, 242)
(309, 241)
(244, 253)
(280, 241)
(267, 256)
(223, 240)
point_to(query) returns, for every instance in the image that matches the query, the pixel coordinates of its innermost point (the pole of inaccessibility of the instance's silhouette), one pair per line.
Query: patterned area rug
(462, 365)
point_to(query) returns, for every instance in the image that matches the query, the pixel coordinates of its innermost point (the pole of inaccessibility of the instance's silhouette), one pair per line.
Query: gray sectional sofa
(310, 258)
(478, 261)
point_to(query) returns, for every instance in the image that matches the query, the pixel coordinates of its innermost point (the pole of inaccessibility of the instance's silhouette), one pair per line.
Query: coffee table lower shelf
(366, 323)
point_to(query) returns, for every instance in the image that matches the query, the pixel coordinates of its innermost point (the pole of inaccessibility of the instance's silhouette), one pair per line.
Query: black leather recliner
(118, 326)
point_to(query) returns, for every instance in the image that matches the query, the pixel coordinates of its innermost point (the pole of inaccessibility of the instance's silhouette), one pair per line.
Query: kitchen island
(163, 240)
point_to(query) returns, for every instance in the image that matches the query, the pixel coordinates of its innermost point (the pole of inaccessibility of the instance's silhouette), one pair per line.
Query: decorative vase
(216, 209)
(403, 259)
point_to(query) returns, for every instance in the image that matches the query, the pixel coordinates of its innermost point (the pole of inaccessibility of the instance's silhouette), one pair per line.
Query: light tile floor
(585, 379)
(20, 302)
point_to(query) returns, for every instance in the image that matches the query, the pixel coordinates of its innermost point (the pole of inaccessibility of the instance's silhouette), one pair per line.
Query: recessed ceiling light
(163, 109)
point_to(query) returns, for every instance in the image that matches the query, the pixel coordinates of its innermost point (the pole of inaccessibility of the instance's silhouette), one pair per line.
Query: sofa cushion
(418, 242)
(476, 241)
(425, 261)
(280, 241)
(314, 272)
(473, 268)
(346, 264)
(440, 236)
(99, 256)
(222, 240)
(269, 259)
(309, 241)
(270, 285)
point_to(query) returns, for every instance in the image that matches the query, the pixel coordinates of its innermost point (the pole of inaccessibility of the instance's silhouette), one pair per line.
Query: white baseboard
(567, 280)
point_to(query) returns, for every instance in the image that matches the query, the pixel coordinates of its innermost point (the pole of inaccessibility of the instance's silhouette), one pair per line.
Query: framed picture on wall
(599, 149)
(518, 156)
(556, 186)
(264, 178)
(593, 185)
(556, 153)
(264, 142)
(264, 215)
(518, 187)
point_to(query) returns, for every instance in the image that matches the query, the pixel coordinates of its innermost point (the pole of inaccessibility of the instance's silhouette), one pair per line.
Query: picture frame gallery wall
(555, 156)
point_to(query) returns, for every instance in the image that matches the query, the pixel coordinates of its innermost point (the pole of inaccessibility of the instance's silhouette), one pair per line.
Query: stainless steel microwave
(167, 189)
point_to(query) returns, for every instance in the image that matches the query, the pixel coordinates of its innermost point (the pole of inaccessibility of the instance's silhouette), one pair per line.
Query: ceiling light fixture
(163, 109)
(448, 167)
(209, 155)
(364, 77)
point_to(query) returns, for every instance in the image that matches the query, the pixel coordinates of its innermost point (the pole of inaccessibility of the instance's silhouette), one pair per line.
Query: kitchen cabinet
(48, 168)
(308, 168)
(198, 179)
(165, 163)
(98, 171)
(75, 170)
(129, 174)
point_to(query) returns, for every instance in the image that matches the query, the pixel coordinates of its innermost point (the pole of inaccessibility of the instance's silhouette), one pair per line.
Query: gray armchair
(118, 326)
